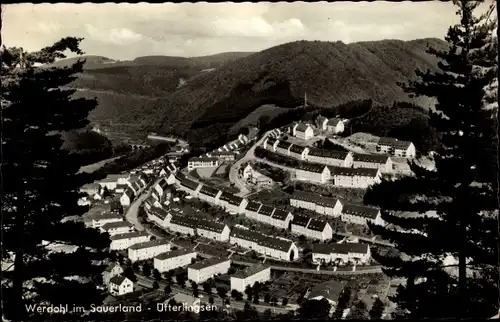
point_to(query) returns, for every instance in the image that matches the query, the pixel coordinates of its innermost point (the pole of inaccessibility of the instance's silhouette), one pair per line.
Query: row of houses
(305, 131)
(341, 253)
(340, 176)
(348, 212)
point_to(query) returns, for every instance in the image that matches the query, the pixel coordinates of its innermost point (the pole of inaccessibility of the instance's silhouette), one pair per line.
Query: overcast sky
(126, 31)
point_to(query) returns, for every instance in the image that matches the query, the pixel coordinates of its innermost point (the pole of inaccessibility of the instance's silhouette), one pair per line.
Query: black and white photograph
(250, 161)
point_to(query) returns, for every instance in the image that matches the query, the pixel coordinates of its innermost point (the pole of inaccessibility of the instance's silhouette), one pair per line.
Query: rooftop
(190, 184)
(117, 279)
(213, 226)
(174, 253)
(149, 244)
(253, 206)
(371, 158)
(116, 224)
(302, 127)
(317, 224)
(361, 211)
(284, 145)
(203, 159)
(280, 214)
(134, 234)
(351, 172)
(184, 221)
(314, 198)
(208, 262)
(300, 220)
(160, 213)
(266, 210)
(297, 149)
(331, 154)
(230, 198)
(249, 271)
(334, 121)
(311, 167)
(209, 191)
(394, 143)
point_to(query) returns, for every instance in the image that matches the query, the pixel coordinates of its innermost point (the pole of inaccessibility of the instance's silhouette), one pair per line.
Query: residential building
(256, 177)
(112, 270)
(270, 144)
(252, 209)
(118, 227)
(303, 131)
(281, 218)
(341, 253)
(232, 203)
(202, 162)
(359, 214)
(373, 161)
(150, 202)
(171, 260)
(321, 122)
(120, 285)
(298, 152)
(213, 230)
(283, 148)
(249, 276)
(264, 214)
(246, 238)
(243, 139)
(161, 187)
(329, 157)
(112, 180)
(147, 250)
(209, 194)
(124, 241)
(171, 179)
(206, 269)
(127, 197)
(311, 227)
(183, 225)
(276, 133)
(355, 177)
(159, 216)
(335, 126)
(90, 188)
(312, 172)
(317, 203)
(329, 290)
(190, 186)
(98, 220)
(396, 147)
(168, 170)
(222, 155)
(120, 188)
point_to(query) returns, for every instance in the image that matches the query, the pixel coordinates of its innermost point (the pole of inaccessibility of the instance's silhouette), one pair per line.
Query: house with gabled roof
(335, 126)
(323, 205)
(147, 250)
(374, 161)
(183, 225)
(321, 122)
(360, 214)
(395, 147)
(100, 219)
(232, 203)
(298, 151)
(165, 262)
(283, 147)
(270, 144)
(311, 227)
(159, 216)
(341, 253)
(189, 186)
(264, 214)
(127, 197)
(317, 173)
(124, 241)
(118, 227)
(355, 177)
(120, 285)
(329, 157)
(202, 271)
(252, 209)
(112, 270)
(161, 187)
(209, 194)
(281, 218)
(303, 131)
(213, 230)
(249, 276)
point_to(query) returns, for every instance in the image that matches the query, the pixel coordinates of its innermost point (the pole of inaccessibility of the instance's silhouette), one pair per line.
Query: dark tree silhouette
(377, 309)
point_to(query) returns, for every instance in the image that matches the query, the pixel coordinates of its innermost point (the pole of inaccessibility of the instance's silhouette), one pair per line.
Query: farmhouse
(206, 269)
(147, 250)
(314, 202)
(202, 162)
(270, 144)
(355, 177)
(120, 285)
(321, 122)
(183, 225)
(252, 209)
(311, 227)
(159, 216)
(341, 253)
(298, 152)
(232, 203)
(335, 126)
(381, 162)
(283, 147)
(312, 172)
(91, 188)
(358, 214)
(213, 230)
(209, 194)
(112, 270)
(124, 241)
(161, 187)
(396, 147)
(118, 227)
(173, 259)
(249, 276)
(98, 220)
(303, 131)
(329, 157)
(127, 197)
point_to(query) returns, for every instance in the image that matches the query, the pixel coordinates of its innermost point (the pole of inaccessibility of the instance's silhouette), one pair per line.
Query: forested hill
(207, 103)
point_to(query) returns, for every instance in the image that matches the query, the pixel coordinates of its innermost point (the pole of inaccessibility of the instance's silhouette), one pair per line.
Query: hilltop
(209, 103)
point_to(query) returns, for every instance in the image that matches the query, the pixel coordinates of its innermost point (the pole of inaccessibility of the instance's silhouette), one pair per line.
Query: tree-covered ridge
(41, 184)
(461, 191)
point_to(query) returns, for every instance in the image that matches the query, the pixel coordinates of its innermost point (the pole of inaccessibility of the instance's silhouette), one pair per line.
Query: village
(225, 221)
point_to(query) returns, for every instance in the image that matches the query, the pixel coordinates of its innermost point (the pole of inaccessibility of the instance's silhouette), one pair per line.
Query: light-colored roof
(249, 271)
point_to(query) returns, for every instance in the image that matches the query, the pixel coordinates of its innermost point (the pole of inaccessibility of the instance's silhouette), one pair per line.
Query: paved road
(133, 212)
(233, 172)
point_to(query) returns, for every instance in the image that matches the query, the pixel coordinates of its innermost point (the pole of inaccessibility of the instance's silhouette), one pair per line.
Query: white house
(118, 227)
(124, 241)
(373, 161)
(270, 144)
(127, 197)
(147, 250)
(311, 227)
(246, 238)
(189, 186)
(283, 148)
(252, 209)
(281, 218)
(213, 230)
(249, 276)
(209, 194)
(183, 225)
(355, 177)
(202, 162)
(232, 203)
(359, 214)
(206, 269)
(341, 253)
(312, 172)
(120, 285)
(298, 152)
(112, 270)
(171, 260)
(112, 180)
(329, 157)
(91, 188)
(335, 126)
(321, 122)
(303, 131)
(264, 214)
(317, 203)
(256, 177)
(168, 170)
(396, 147)
(98, 220)
(161, 187)
(159, 216)
(243, 139)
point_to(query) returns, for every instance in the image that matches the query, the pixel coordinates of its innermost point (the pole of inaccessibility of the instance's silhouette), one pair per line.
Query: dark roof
(302, 127)
(184, 221)
(394, 143)
(249, 271)
(129, 192)
(115, 204)
(246, 234)
(174, 253)
(331, 154)
(372, 158)
(334, 121)
(190, 184)
(284, 145)
(361, 211)
(266, 210)
(330, 290)
(104, 216)
(151, 243)
(297, 149)
(116, 224)
(111, 266)
(343, 248)
(271, 141)
(322, 249)
(317, 224)
(163, 183)
(209, 191)
(136, 186)
(207, 263)
(300, 220)
(179, 176)
(253, 206)
(363, 172)
(280, 214)
(314, 198)
(230, 198)
(311, 167)
(160, 213)
(321, 118)
(129, 235)
(117, 279)
(276, 243)
(213, 226)
(203, 159)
